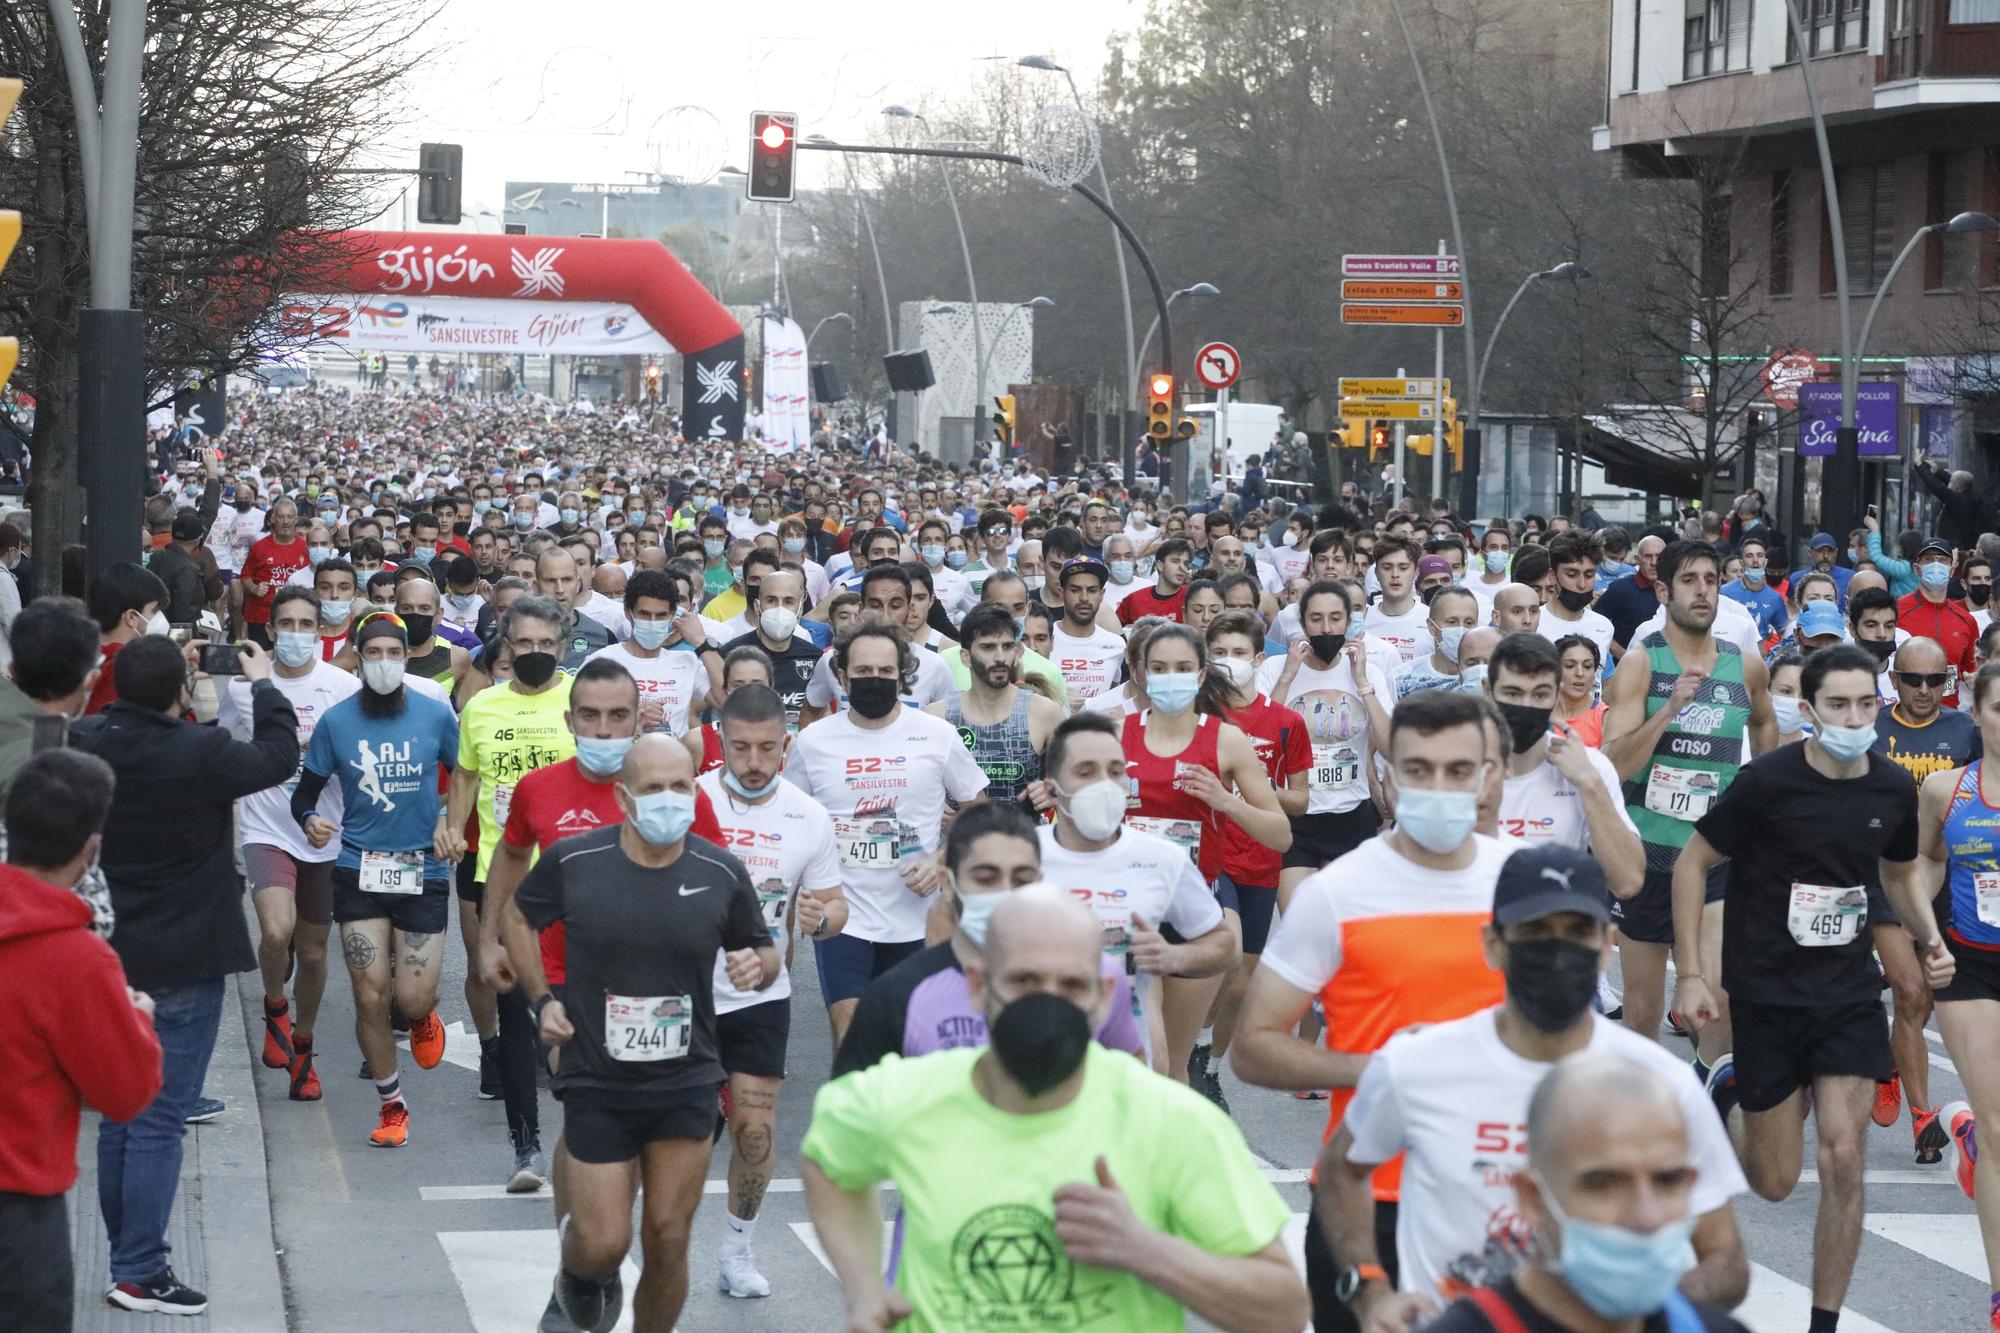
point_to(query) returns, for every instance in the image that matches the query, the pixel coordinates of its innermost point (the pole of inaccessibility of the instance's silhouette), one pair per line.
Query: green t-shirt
(979, 1248)
(505, 735)
(1032, 664)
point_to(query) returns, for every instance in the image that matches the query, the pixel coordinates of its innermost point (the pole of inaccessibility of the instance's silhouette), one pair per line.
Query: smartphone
(1873, 512)
(221, 659)
(181, 632)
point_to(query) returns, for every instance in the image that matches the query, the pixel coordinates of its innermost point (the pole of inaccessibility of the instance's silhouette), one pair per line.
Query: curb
(236, 1186)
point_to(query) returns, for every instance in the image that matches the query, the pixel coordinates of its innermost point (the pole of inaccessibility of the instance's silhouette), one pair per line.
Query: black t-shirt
(1465, 1317)
(1627, 606)
(648, 937)
(1805, 851)
(1949, 740)
(790, 669)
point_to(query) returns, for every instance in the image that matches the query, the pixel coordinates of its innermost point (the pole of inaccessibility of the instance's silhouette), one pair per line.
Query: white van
(1253, 428)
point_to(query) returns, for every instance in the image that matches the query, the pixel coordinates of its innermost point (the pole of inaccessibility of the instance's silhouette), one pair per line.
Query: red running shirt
(1161, 806)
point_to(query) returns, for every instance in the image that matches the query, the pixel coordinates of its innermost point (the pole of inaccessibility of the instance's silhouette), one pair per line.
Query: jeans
(139, 1163)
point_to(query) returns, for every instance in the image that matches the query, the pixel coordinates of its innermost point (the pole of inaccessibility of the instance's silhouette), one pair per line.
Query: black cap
(1083, 564)
(1937, 544)
(1542, 881)
(189, 526)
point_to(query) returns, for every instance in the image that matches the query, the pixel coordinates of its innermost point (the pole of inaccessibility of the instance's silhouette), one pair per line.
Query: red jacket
(71, 1037)
(1950, 625)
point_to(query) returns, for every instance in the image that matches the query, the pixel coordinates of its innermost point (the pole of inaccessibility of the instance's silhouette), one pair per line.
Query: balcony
(1924, 42)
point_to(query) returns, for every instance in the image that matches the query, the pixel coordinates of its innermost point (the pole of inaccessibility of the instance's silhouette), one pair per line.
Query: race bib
(1335, 765)
(392, 872)
(645, 1028)
(1986, 896)
(503, 801)
(867, 844)
(1681, 793)
(1822, 917)
(1182, 833)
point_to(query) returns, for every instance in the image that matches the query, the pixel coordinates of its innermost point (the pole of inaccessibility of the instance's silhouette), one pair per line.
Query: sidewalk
(221, 1226)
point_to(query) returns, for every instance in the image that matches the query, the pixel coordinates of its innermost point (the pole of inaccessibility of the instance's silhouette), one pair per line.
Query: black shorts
(1255, 905)
(1648, 916)
(1978, 974)
(751, 1040)
(1781, 1048)
(465, 879)
(426, 913)
(1318, 839)
(260, 635)
(1324, 1267)
(599, 1130)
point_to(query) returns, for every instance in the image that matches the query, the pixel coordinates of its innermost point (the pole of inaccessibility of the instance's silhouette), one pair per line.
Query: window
(1832, 26)
(1717, 37)
(1868, 227)
(1949, 261)
(1974, 11)
(1781, 233)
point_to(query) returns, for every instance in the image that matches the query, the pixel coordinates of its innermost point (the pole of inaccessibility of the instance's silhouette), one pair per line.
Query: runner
(1929, 612)
(1577, 704)
(778, 635)
(786, 843)
(646, 909)
(1089, 656)
(673, 684)
(273, 558)
(1573, 559)
(432, 657)
(885, 599)
(1807, 830)
(1399, 618)
(745, 665)
(291, 881)
(334, 584)
(1496, 553)
(883, 771)
(1172, 562)
(1005, 726)
(1453, 611)
(386, 744)
(1753, 591)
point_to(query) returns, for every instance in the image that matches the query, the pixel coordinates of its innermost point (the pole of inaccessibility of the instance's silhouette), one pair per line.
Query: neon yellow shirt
(505, 735)
(980, 1249)
(1032, 664)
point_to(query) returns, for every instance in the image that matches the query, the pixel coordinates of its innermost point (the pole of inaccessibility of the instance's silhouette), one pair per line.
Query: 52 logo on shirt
(875, 763)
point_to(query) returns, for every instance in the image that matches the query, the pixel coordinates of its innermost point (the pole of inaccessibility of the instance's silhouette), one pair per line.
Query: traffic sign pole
(1222, 433)
(1440, 428)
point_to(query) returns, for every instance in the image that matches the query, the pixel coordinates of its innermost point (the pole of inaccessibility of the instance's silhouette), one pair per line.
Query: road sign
(1396, 388)
(1365, 289)
(1442, 316)
(1388, 411)
(1400, 266)
(1217, 365)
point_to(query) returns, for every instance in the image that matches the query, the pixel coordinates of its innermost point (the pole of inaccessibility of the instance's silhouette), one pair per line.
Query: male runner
(775, 611)
(273, 558)
(1172, 561)
(672, 684)
(1573, 558)
(1453, 612)
(1090, 657)
(1399, 618)
(1005, 726)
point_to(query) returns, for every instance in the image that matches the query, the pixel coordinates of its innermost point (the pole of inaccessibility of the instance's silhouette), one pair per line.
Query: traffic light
(440, 179)
(774, 144)
(1003, 429)
(1187, 428)
(1419, 444)
(1454, 440)
(652, 379)
(1353, 433)
(1378, 440)
(1160, 408)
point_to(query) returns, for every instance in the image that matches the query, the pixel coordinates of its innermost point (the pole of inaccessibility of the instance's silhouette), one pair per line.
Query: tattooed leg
(365, 946)
(753, 1107)
(419, 959)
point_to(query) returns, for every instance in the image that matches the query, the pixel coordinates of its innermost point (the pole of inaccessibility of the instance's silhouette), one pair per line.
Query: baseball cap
(1083, 564)
(1823, 541)
(1433, 564)
(1937, 544)
(1542, 881)
(1820, 618)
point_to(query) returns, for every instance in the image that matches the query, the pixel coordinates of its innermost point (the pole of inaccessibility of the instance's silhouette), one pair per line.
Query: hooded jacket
(71, 1039)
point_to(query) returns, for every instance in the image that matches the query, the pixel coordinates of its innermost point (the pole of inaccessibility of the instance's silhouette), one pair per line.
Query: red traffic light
(773, 135)
(1163, 385)
(773, 145)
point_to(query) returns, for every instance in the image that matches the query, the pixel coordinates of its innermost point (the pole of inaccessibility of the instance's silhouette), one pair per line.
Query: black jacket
(169, 852)
(185, 593)
(1961, 514)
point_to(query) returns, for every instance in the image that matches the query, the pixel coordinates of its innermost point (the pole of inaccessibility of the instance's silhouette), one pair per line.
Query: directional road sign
(1217, 365)
(1396, 388)
(1443, 316)
(1367, 289)
(1388, 411)
(1400, 266)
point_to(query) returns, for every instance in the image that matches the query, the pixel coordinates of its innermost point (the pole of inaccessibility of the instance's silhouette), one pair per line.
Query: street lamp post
(838, 314)
(1957, 226)
(1567, 271)
(971, 282)
(1200, 290)
(1033, 303)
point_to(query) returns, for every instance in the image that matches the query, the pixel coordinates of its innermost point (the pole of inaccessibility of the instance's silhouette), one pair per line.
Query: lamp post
(1033, 303)
(1200, 290)
(838, 314)
(868, 222)
(1566, 271)
(1957, 226)
(971, 282)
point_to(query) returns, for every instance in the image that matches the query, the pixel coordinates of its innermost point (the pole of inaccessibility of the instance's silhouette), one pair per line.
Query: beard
(381, 705)
(1691, 620)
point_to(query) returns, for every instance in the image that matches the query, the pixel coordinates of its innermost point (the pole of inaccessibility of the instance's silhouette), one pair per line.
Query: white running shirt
(786, 844)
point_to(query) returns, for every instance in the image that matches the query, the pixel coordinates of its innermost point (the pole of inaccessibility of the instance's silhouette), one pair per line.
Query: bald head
(1864, 579)
(1039, 917)
(1918, 663)
(657, 762)
(1586, 1091)
(1920, 655)
(609, 580)
(1477, 646)
(1517, 609)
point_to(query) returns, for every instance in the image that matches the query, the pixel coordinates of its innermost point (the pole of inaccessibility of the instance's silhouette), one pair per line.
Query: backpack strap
(1498, 1313)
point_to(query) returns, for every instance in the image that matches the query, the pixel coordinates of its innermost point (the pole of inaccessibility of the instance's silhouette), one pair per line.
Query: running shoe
(277, 1036)
(162, 1293)
(1994, 1313)
(489, 1069)
(205, 1109)
(739, 1276)
(529, 1173)
(1210, 1086)
(427, 1040)
(1310, 1095)
(394, 1131)
(1889, 1101)
(553, 1318)
(1198, 1064)
(1958, 1118)
(1930, 1136)
(305, 1082)
(592, 1306)
(1677, 1025)
(1722, 1085)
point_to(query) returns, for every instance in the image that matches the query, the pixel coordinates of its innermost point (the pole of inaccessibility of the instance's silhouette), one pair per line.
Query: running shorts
(311, 882)
(1781, 1048)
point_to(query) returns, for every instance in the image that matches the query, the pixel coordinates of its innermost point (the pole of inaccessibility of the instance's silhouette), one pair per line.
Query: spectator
(15, 559)
(1961, 515)
(178, 566)
(127, 602)
(76, 1033)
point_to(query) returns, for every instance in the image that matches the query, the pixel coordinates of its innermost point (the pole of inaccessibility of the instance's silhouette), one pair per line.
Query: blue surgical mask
(1448, 641)
(794, 545)
(1121, 571)
(319, 553)
(1618, 1273)
(601, 756)
(1473, 677)
(933, 555)
(525, 519)
(663, 817)
(568, 515)
(735, 784)
(1173, 694)
(1356, 624)
(1496, 562)
(295, 649)
(1439, 821)
(974, 911)
(650, 634)
(712, 546)
(333, 613)
(1846, 744)
(1753, 577)
(1934, 576)
(480, 507)
(956, 559)
(1787, 709)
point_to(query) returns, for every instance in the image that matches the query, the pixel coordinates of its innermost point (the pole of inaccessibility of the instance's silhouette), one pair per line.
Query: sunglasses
(1935, 680)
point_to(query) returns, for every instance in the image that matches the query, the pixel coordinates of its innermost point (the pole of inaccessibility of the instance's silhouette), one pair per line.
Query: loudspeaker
(909, 372)
(828, 386)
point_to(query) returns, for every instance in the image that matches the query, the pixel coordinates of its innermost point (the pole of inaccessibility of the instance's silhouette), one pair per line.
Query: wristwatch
(1348, 1285)
(535, 1007)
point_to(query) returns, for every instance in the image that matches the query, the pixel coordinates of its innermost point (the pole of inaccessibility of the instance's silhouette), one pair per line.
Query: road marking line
(1775, 1302)
(504, 1276)
(1277, 1175)
(1951, 1239)
(1938, 1057)
(1937, 1175)
(810, 1239)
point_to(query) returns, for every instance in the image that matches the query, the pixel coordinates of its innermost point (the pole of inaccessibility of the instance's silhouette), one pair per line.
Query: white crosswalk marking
(810, 1239)
(1951, 1239)
(1776, 1303)
(504, 1277)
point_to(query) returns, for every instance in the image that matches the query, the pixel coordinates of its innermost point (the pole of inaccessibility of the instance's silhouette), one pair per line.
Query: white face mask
(157, 623)
(975, 910)
(1097, 808)
(1237, 669)
(778, 622)
(382, 676)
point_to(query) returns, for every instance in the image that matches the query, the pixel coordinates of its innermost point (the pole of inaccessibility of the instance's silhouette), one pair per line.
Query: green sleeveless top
(1697, 756)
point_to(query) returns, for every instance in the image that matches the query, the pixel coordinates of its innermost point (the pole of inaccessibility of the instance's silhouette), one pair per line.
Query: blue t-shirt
(387, 769)
(1765, 606)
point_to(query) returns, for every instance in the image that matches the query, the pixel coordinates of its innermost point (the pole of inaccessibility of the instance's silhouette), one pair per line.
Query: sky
(591, 90)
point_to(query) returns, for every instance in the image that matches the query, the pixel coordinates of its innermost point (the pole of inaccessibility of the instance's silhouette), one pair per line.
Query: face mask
(1356, 623)
(1096, 808)
(1978, 593)
(1448, 640)
(1934, 576)
(1237, 670)
(712, 547)
(1883, 649)
(662, 817)
(1551, 982)
(420, 627)
(479, 507)
(959, 559)
(778, 622)
(384, 676)
(650, 634)
(335, 613)
(535, 669)
(1039, 1039)
(1572, 601)
(602, 755)
(1787, 709)
(974, 911)
(1291, 537)
(1753, 577)
(874, 697)
(635, 516)
(295, 649)
(318, 553)
(741, 511)
(1496, 562)
(524, 520)
(1439, 821)
(1473, 677)
(462, 602)
(933, 555)
(1846, 744)
(567, 515)
(1525, 724)
(794, 545)
(1326, 647)
(735, 784)
(1173, 694)
(1121, 571)
(157, 623)
(1618, 1273)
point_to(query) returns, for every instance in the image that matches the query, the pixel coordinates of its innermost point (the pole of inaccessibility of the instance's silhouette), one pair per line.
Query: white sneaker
(739, 1276)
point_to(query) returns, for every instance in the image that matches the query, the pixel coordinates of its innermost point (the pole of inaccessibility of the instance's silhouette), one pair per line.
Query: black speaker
(909, 371)
(828, 386)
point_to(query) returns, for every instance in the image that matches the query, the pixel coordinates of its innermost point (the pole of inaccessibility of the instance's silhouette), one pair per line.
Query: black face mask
(534, 669)
(1883, 649)
(1326, 647)
(1040, 1040)
(1551, 983)
(1525, 724)
(874, 697)
(1978, 593)
(1572, 601)
(420, 627)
